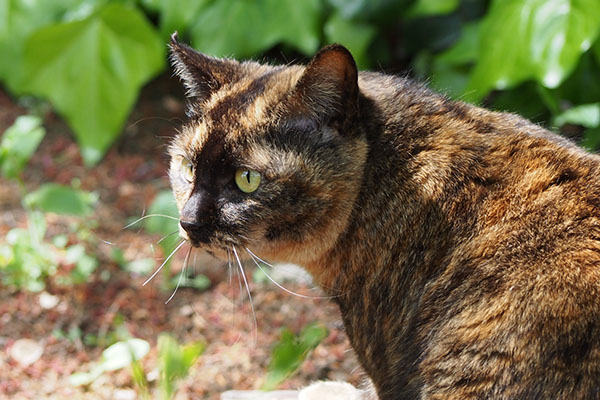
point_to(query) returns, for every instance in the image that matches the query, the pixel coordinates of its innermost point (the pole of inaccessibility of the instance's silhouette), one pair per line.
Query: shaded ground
(113, 300)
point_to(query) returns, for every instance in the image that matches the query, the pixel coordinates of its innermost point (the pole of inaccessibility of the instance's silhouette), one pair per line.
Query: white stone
(26, 351)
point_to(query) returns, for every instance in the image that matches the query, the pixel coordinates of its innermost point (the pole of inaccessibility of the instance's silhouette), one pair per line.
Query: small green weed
(289, 353)
(26, 258)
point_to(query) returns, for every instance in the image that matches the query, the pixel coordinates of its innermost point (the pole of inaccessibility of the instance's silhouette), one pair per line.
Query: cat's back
(515, 310)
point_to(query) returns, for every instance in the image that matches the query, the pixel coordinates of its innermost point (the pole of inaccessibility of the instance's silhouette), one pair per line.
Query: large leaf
(19, 142)
(243, 28)
(176, 15)
(380, 10)
(18, 19)
(356, 36)
(450, 69)
(539, 39)
(103, 60)
(423, 8)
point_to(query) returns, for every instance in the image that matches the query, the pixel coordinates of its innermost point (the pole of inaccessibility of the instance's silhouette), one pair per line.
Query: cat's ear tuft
(328, 88)
(202, 75)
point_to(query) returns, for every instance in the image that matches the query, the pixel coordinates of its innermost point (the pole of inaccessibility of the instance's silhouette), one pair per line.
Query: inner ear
(202, 75)
(328, 88)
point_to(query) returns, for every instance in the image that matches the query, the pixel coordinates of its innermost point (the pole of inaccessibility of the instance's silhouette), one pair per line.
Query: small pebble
(48, 301)
(26, 351)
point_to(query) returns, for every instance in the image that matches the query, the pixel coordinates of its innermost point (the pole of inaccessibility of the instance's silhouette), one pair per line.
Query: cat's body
(461, 245)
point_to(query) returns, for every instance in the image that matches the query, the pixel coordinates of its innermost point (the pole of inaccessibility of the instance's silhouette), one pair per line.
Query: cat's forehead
(246, 106)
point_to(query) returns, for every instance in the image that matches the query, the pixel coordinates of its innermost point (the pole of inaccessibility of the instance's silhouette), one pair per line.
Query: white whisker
(167, 235)
(255, 257)
(148, 216)
(249, 295)
(164, 262)
(234, 302)
(279, 285)
(181, 275)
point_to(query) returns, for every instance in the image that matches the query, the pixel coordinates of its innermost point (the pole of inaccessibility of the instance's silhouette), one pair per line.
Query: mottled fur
(461, 245)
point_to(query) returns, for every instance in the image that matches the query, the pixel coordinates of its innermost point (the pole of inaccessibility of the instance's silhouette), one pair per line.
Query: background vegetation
(88, 61)
(89, 58)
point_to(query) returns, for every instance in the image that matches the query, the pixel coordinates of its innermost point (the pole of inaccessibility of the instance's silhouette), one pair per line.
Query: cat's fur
(461, 245)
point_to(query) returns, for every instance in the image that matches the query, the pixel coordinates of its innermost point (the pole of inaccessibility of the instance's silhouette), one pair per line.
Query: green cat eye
(247, 180)
(187, 170)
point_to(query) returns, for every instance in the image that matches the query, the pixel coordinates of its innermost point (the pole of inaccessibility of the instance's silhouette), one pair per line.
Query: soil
(113, 300)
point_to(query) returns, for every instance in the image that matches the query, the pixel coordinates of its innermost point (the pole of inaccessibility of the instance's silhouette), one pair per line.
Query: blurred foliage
(27, 259)
(289, 353)
(174, 363)
(114, 357)
(89, 58)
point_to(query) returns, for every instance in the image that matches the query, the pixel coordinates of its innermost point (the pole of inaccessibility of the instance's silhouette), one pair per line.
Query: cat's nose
(198, 233)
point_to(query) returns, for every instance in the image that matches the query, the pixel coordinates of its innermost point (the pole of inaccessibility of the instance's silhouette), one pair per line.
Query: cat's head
(271, 158)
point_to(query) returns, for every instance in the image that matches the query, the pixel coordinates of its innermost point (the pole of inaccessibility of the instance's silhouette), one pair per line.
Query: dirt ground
(127, 180)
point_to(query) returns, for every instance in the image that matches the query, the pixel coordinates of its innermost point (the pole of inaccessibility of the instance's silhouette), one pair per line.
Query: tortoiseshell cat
(461, 245)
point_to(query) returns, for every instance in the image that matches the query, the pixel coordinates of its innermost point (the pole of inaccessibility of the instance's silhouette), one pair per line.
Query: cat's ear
(328, 88)
(202, 75)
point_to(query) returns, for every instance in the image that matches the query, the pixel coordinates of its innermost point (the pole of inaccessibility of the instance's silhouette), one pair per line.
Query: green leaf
(539, 39)
(19, 142)
(103, 60)
(175, 361)
(466, 48)
(247, 27)
(121, 354)
(591, 139)
(587, 115)
(60, 199)
(356, 36)
(424, 8)
(312, 335)
(380, 10)
(177, 15)
(85, 378)
(18, 19)
(164, 204)
(289, 353)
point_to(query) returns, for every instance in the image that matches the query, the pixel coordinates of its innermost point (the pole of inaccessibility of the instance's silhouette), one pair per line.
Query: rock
(124, 394)
(48, 301)
(331, 391)
(260, 395)
(26, 351)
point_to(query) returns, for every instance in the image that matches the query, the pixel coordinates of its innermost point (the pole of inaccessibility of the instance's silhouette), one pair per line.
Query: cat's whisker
(195, 250)
(181, 275)
(167, 236)
(169, 120)
(279, 285)
(148, 216)
(234, 300)
(164, 262)
(255, 257)
(248, 291)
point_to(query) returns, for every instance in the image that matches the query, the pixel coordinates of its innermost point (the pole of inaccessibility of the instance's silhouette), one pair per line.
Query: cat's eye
(247, 180)
(187, 170)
